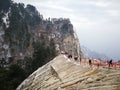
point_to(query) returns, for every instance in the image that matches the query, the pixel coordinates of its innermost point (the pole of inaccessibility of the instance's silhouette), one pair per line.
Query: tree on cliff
(42, 54)
(11, 77)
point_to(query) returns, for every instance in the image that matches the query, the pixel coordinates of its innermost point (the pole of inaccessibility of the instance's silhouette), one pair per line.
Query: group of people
(108, 62)
(75, 57)
(90, 61)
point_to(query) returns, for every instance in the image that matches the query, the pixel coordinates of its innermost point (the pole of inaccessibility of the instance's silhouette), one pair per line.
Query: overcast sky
(96, 22)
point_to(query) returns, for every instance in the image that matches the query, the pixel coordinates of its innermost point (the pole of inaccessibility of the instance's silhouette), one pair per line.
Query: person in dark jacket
(69, 56)
(75, 58)
(110, 63)
(90, 63)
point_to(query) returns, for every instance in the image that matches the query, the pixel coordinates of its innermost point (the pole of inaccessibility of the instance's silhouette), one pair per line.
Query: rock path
(65, 74)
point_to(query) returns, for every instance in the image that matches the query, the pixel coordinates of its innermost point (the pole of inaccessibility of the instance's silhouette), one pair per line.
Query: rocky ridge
(63, 73)
(22, 26)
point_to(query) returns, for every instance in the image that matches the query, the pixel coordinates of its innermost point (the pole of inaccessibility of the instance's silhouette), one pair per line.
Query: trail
(63, 73)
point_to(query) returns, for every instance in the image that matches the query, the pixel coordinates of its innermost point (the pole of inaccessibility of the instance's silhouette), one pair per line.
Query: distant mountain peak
(93, 54)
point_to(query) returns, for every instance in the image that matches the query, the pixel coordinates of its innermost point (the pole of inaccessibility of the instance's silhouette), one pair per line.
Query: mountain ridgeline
(22, 27)
(92, 54)
(28, 41)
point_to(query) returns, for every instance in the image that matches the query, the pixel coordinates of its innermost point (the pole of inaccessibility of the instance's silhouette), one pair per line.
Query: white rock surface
(59, 74)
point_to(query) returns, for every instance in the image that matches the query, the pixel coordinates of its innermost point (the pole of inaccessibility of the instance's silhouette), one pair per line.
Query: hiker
(98, 65)
(90, 63)
(75, 58)
(70, 56)
(110, 63)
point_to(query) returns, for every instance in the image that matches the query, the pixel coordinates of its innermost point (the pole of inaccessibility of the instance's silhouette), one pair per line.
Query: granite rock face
(66, 74)
(22, 26)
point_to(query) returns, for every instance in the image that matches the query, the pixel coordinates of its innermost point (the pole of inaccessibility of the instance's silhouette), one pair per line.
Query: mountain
(22, 27)
(28, 41)
(64, 74)
(28, 44)
(92, 54)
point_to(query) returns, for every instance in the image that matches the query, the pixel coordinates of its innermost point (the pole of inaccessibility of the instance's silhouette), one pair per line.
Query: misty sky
(96, 22)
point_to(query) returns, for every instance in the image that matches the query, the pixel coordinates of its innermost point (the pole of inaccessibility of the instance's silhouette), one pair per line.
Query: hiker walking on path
(110, 63)
(90, 63)
(75, 58)
(98, 65)
(70, 56)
